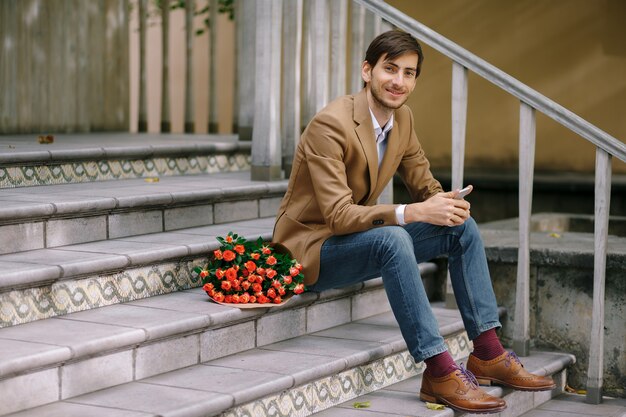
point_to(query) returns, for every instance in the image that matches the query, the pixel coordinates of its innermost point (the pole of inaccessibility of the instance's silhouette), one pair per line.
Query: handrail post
(189, 34)
(245, 18)
(142, 122)
(266, 144)
(292, 54)
(459, 123)
(527, 132)
(595, 371)
(166, 126)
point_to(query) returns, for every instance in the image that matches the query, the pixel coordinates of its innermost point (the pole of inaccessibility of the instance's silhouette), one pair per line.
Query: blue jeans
(393, 252)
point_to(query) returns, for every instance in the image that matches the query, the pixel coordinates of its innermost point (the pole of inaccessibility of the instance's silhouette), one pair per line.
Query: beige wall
(572, 51)
(225, 72)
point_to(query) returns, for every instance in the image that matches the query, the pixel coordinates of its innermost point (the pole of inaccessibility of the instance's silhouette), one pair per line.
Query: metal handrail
(498, 77)
(530, 101)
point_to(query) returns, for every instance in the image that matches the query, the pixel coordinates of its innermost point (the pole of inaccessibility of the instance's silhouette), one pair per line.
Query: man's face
(391, 81)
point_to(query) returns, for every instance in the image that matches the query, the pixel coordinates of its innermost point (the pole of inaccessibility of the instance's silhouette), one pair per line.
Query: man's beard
(377, 96)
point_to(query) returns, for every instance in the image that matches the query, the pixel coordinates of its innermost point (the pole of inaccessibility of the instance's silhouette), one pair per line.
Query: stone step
(75, 158)
(65, 357)
(45, 283)
(298, 376)
(402, 399)
(59, 215)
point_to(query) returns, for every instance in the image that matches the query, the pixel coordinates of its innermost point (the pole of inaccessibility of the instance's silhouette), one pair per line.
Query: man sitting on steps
(331, 223)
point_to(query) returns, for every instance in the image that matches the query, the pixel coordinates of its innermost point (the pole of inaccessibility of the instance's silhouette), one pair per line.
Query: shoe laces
(467, 377)
(511, 357)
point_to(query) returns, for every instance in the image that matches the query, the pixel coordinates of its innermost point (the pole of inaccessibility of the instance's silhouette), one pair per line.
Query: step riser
(70, 296)
(115, 169)
(87, 227)
(324, 393)
(72, 377)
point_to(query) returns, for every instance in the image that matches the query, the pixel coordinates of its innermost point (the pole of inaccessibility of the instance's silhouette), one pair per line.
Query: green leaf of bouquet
(197, 269)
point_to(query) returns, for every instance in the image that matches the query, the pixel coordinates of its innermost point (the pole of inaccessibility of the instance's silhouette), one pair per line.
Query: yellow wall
(572, 51)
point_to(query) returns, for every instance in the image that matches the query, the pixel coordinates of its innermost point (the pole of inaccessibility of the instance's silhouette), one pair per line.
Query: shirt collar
(378, 130)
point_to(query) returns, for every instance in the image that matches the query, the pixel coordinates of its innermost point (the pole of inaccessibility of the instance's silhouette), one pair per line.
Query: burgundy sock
(440, 365)
(487, 346)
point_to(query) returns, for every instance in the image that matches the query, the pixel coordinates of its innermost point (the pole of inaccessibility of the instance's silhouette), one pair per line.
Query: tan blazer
(335, 180)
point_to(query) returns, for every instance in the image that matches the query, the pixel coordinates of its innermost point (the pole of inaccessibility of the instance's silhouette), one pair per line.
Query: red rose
(240, 249)
(270, 273)
(219, 273)
(277, 300)
(218, 254)
(287, 279)
(236, 298)
(219, 297)
(244, 298)
(208, 286)
(231, 274)
(281, 290)
(260, 271)
(228, 255)
(257, 287)
(226, 285)
(261, 299)
(266, 250)
(228, 299)
(252, 299)
(293, 271)
(299, 289)
(245, 285)
(271, 293)
(255, 256)
(204, 273)
(271, 260)
(250, 266)
(252, 278)
(276, 283)
(299, 266)
(229, 239)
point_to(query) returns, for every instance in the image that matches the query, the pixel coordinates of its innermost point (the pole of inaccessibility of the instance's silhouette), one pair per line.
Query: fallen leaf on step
(152, 179)
(45, 139)
(581, 392)
(365, 404)
(555, 235)
(433, 406)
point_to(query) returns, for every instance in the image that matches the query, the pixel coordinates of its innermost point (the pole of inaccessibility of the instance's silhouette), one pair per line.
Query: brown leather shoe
(507, 370)
(459, 390)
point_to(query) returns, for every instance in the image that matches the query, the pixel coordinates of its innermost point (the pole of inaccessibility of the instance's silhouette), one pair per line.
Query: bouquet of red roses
(243, 272)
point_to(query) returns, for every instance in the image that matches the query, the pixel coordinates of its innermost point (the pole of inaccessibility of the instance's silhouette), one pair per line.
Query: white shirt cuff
(400, 214)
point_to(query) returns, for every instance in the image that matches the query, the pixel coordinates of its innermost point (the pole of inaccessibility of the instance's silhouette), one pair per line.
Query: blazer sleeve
(414, 168)
(329, 146)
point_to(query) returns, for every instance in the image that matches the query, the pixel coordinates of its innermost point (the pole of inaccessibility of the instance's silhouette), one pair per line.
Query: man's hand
(441, 209)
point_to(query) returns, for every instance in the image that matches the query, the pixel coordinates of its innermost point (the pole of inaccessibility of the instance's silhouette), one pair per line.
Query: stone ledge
(77, 147)
(343, 364)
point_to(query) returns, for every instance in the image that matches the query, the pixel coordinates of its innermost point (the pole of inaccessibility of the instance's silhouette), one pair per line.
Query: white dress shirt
(381, 144)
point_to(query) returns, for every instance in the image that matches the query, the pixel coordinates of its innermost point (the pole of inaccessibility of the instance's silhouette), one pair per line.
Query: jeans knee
(396, 239)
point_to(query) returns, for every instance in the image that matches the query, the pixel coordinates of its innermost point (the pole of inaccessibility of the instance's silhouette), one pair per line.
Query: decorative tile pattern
(327, 392)
(63, 297)
(87, 171)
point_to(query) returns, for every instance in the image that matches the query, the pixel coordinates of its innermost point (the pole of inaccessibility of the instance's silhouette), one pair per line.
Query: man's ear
(366, 71)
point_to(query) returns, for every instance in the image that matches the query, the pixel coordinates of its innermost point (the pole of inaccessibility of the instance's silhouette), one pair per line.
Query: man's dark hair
(394, 43)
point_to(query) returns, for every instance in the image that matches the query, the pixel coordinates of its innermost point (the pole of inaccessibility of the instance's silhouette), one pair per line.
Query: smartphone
(465, 191)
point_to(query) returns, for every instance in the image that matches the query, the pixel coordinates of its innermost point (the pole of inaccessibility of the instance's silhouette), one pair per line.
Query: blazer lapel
(365, 133)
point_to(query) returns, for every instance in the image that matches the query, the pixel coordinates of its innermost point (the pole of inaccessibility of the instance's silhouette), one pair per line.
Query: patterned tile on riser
(89, 171)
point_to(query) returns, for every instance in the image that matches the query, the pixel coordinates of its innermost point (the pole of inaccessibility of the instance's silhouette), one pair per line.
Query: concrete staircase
(100, 314)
